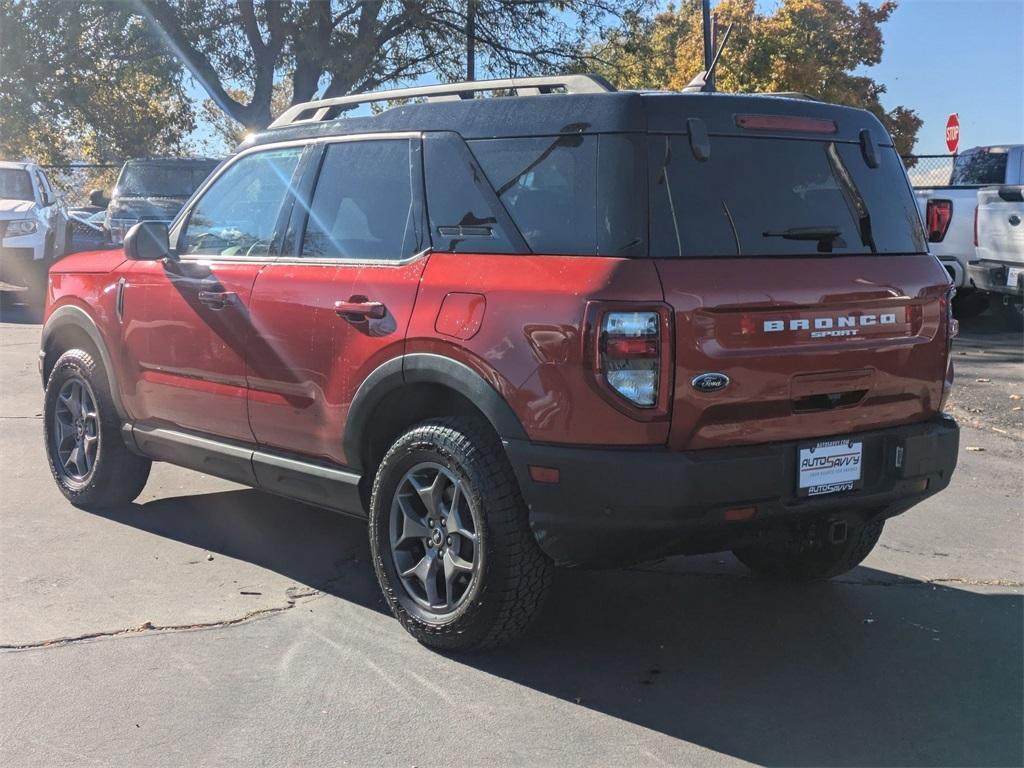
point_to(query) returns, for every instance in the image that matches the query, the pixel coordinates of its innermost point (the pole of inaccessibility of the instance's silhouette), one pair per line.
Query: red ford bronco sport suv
(566, 326)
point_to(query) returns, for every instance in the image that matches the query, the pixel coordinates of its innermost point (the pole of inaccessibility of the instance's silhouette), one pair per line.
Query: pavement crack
(293, 595)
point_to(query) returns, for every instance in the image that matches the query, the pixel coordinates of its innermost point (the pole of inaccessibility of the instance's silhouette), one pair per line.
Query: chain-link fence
(76, 180)
(929, 170)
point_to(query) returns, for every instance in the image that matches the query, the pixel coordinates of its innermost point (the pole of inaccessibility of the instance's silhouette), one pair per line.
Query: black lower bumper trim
(616, 506)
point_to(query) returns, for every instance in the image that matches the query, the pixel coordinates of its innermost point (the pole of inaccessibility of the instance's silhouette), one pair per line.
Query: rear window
(979, 166)
(570, 194)
(768, 196)
(162, 179)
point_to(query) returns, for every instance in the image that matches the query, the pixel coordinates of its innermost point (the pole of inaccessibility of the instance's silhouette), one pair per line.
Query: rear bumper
(991, 276)
(619, 506)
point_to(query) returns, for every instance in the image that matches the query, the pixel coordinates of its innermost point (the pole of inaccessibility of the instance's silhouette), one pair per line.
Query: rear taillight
(938, 214)
(975, 226)
(630, 342)
(632, 357)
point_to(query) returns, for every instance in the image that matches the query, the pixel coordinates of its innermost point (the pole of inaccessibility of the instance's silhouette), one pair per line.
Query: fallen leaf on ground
(975, 448)
(983, 381)
(1015, 397)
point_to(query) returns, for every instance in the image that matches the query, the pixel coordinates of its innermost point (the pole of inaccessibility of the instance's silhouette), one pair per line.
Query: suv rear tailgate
(812, 346)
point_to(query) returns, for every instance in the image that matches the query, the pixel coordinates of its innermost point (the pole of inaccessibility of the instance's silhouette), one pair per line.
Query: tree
(85, 82)
(809, 46)
(237, 50)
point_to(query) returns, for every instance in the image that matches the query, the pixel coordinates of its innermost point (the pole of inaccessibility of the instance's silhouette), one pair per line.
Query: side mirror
(147, 241)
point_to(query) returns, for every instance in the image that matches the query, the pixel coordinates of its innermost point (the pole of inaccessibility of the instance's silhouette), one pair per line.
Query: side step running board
(314, 483)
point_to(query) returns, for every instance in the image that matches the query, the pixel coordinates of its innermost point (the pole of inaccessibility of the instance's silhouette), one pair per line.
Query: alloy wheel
(434, 537)
(76, 430)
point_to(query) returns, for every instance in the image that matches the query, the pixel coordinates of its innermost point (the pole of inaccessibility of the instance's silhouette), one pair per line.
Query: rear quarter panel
(529, 343)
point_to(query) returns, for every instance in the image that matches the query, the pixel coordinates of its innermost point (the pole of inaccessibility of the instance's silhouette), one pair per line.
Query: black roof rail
(327, 109)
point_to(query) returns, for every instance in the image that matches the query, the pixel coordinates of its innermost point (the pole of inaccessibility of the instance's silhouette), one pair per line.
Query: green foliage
(85, 82)
(809, 46)
(239, 50)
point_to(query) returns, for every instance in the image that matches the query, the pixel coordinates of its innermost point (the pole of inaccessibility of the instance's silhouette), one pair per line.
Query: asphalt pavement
(208, 624)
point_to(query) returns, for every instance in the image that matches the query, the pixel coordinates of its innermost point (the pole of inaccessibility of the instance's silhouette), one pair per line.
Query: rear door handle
(217, 299)
(358, 308)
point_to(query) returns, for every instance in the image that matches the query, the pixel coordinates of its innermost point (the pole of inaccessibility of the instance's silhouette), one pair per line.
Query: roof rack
(329, 109)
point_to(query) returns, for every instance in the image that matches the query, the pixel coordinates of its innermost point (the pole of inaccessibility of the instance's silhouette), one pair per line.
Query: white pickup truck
(999, 236)
(949, 213)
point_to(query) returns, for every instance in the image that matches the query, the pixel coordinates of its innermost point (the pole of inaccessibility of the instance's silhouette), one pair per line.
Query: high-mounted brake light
(785, 123)
(937, 216)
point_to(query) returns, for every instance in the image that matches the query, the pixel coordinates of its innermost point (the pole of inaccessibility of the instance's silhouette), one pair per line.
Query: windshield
(765, 196)
(162, 179)
(980, 166)
(15, 184)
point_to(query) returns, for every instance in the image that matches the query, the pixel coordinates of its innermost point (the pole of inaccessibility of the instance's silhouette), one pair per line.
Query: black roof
(612, 112)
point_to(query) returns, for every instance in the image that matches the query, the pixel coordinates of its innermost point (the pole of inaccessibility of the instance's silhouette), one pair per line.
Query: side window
(237, 215)
(45, 194)
(366, 204)
(571, 194)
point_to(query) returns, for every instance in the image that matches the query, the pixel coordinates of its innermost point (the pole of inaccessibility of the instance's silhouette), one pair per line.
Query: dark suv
(153, 189)
(567, 326)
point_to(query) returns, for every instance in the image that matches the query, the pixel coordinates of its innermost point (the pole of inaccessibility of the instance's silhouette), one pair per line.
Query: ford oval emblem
(710, 382)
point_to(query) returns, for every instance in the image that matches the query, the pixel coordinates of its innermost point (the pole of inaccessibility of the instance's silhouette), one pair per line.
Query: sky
(943, 56)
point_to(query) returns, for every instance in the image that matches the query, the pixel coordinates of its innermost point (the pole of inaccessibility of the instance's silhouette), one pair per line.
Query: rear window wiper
(826, 237)
(854, 199)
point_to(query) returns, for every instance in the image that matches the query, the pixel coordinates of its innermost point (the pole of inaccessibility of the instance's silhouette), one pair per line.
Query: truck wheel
(450, 539)
(824, 560)
(1010, 314)
(969, 304)
(89, 460)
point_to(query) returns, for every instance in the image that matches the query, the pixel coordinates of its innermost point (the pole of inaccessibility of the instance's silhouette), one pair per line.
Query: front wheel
(88, 458)
(450, 538)
(821, 559)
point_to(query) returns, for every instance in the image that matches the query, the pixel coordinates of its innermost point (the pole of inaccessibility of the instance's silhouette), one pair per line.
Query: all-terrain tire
(787, 562)
(117, 475)
(505, 594)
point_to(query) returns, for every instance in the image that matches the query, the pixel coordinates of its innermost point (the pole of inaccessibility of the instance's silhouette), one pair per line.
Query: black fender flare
(424, 368)
(75, 316)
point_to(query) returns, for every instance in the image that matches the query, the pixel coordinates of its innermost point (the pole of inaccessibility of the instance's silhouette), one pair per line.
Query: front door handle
(359, 308)
(217, 299)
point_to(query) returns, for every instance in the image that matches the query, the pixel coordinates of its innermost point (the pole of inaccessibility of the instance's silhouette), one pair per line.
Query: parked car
(153, 190)
(586, 328)
(34, 228)
(999, 240)
(949, 215)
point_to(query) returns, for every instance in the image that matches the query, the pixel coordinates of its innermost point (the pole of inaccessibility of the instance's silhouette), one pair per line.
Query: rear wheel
(451, 543)
(813, 561)
(88, 459)
(969, 304)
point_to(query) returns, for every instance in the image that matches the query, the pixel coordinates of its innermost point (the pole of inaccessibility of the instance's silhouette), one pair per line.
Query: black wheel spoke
(433, 537)
(76, 429)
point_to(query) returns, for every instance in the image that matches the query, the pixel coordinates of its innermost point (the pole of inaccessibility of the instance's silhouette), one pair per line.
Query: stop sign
(952, 132)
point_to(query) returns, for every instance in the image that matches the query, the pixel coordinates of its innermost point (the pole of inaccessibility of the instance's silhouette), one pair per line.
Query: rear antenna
(704, 82)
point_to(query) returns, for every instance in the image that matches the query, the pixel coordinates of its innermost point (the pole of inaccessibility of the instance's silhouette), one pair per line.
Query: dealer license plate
(829, 466)
(1011, 276)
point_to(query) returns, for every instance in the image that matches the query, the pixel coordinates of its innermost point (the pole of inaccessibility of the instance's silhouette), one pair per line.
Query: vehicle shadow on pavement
(321, 549)
(19, 313)
(869, 669)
